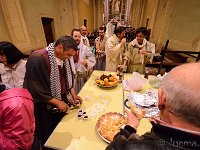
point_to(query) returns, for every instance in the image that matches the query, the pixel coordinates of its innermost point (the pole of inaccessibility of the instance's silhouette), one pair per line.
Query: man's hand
(123, 41)
(120, 67)
(61, 105)
(78, 100)
(99, 52)
(84, 62)
(143, 52)
(132, 120)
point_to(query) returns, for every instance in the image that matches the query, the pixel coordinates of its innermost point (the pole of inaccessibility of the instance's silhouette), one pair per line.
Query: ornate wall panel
(16, 23)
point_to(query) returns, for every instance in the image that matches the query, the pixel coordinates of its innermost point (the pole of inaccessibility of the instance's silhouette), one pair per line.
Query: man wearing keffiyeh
(139, 52)
(49, 79)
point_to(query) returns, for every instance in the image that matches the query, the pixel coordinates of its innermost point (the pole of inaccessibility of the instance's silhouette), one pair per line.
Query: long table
(75, 134)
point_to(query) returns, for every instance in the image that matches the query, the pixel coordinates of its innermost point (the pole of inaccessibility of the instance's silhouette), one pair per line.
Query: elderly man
(100, 49)
(115, 47)
(82, 62)
(178, 126)
(49, 79)
(84, 38)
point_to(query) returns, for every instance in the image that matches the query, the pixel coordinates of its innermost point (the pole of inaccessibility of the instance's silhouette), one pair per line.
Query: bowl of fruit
(107, 81)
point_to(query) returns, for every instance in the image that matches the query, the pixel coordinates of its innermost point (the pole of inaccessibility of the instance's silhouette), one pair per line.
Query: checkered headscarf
(54, 73)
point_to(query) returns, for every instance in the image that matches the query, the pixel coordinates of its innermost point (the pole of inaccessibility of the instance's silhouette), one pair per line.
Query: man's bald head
(181, 88)
(189, 74)
(83, 30)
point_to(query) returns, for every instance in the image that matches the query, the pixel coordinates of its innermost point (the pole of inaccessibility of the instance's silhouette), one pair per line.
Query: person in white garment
(82, 61)
(84, 38)
(12, 65)
(111, 26)
(115, 48)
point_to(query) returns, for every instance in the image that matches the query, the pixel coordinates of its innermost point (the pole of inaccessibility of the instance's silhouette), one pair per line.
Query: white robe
(87, 43)
(81, 71)
(114, 53)
(13, 76)
(110, 27)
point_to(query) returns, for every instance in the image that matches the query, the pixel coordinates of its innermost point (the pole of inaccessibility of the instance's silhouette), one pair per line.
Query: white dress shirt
(14, 76)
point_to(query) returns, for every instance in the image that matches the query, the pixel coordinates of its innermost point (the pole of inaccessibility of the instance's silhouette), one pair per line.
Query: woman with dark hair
(139, 52)
(12, 65)
(114, 49)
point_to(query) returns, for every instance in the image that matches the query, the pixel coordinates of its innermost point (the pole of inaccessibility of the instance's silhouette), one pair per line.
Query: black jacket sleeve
(120, 140)
(37, 79)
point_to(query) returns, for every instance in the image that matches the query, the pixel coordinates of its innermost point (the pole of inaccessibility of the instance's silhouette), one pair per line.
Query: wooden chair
(164, 62)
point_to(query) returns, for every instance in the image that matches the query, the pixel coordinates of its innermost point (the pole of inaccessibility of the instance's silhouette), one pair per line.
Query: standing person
(115, 47)
(139, 52)
(17, 123)
(100, 49)
(49, 79)
(84, 38)
(84, 60)
(178, 125)
(12, 65)
(111, 26)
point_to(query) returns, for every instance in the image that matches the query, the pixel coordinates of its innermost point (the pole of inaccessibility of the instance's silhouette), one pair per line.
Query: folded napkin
(136, 83)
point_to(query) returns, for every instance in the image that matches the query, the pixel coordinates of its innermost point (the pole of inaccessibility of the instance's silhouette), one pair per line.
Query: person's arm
(102, 47)
(18, 124)
(150, 52)
(90, 60)
(78, 99)
(123, 65)
(61, 105)
(1, 71)
(128, 130)
(127, 56)
(131, 124)
(97, 46)
(97, 43)
(114, 50)
(37, 81)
